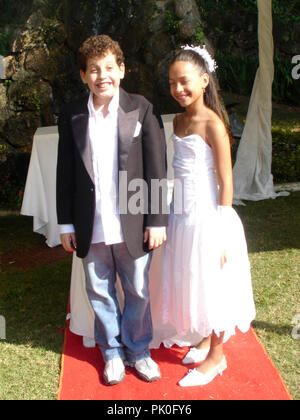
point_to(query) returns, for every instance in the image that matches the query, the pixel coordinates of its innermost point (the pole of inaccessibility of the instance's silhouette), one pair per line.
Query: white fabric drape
(252, 170)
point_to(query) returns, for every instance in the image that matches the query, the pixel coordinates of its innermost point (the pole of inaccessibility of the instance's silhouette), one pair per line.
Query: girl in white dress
(206, 272)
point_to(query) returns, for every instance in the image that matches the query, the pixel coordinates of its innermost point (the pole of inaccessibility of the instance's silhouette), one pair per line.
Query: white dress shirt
(103, 137)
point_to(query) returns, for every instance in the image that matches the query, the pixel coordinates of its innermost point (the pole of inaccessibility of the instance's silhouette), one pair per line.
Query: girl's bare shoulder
(214, 123)
(215, 128)
(178, 123)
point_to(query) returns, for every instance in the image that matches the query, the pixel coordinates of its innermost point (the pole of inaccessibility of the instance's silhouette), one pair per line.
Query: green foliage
(51, 8)
(50, 31)
(13, 172)
(14, 13)
(172, 22)
(285, 88)
(199, 36)
(11, 195)
(284, 11)
(3, 149)
(286, 156)
(237, 74)
(4, 44)
(225, 6)
(236, 49)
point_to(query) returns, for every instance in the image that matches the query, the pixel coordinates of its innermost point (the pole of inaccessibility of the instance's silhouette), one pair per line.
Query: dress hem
(203, 333)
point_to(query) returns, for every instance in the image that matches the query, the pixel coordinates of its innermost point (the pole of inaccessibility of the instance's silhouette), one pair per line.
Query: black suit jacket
(143, 157)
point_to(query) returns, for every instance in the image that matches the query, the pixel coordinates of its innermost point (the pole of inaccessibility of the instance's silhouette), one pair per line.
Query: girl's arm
(220, 144)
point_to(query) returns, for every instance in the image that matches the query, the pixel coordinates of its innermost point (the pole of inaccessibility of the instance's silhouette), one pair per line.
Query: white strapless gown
(199, 297)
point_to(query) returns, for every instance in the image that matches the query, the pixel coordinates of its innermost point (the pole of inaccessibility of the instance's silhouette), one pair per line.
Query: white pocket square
(137, 129)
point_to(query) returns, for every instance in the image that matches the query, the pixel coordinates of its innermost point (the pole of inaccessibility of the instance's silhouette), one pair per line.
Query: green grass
(273, 234)
(34, 304)
(34, 301)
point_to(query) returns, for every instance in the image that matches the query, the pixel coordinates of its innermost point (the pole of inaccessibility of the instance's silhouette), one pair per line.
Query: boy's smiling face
(103, 76)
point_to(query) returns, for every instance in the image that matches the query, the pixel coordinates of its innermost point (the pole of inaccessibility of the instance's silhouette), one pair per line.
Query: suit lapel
(127, 125)
(127, 122)
(80, 125)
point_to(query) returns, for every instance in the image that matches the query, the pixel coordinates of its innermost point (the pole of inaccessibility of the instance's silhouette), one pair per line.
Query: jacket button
(92, 189)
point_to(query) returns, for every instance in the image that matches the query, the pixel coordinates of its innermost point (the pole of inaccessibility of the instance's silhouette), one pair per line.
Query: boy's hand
(68, 241)
(155, 236)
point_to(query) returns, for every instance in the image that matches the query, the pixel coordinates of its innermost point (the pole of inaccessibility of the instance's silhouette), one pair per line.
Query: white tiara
(211, 63)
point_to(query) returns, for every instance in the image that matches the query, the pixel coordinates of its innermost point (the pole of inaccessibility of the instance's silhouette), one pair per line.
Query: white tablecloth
(39, 198)
(40, 202)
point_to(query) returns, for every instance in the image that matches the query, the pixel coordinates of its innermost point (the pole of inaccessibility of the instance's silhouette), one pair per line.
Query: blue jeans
(124, 335)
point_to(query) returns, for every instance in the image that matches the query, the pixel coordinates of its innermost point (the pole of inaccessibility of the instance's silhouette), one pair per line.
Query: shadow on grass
(34, 305)
(272, 224)
(273, 328)
(33, 300)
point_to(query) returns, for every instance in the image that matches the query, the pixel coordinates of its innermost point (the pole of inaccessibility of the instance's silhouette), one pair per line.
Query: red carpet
(251, 375)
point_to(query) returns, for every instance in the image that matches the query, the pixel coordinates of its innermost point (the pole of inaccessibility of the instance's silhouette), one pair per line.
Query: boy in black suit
(110, 133)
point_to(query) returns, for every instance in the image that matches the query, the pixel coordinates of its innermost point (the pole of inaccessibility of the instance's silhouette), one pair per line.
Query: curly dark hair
(99, 45)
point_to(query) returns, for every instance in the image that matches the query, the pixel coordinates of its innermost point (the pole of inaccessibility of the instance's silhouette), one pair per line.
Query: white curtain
(252, 170)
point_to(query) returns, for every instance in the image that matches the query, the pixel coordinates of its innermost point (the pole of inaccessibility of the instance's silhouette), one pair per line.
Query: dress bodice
(194, 166)
(192, 156)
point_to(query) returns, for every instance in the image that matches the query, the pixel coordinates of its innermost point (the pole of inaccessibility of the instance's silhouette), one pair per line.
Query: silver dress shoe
(114, 372)
(146, 369)
(88, 343)
(195, 356)
(196, 378)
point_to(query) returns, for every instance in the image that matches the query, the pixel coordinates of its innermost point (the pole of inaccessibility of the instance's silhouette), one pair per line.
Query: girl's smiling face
(187, 85)
(103, 76)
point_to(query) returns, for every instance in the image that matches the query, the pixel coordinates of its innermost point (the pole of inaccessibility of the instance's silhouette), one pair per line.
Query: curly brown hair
(99, 45)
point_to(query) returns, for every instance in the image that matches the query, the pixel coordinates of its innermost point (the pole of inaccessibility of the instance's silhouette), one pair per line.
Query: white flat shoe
(196, 378)
(195, 356)
(89, 343)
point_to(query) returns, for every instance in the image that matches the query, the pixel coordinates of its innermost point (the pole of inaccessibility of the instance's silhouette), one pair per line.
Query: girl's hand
(68, 241)
(223, 259)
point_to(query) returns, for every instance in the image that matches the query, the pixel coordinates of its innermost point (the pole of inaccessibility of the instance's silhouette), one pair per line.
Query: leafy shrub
(237, 74)
(11, 195)
(13, 172)
(286, 156)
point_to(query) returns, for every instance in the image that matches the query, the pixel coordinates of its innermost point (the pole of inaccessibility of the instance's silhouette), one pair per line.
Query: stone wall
(41, 69)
